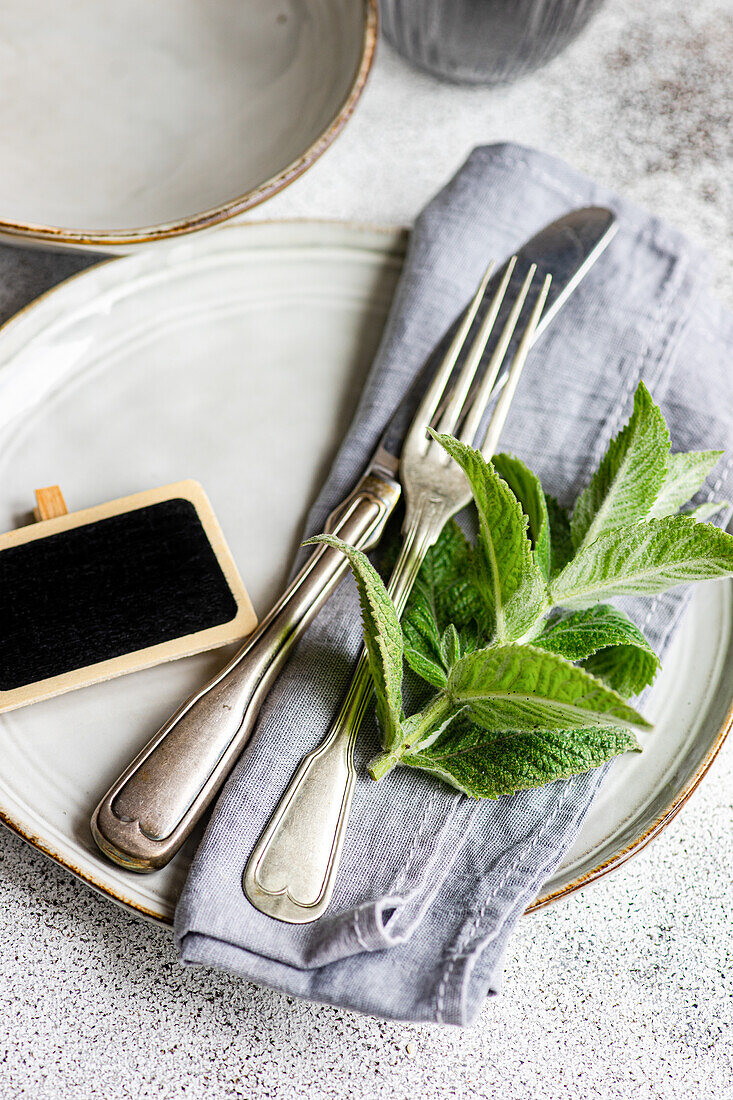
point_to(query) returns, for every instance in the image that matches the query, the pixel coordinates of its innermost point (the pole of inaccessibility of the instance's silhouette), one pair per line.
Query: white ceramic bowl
(129, 122)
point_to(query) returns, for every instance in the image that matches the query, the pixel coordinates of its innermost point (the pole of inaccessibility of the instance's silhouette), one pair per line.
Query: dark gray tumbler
(483, 41)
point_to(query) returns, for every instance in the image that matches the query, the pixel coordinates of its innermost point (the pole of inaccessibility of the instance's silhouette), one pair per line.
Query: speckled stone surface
(621, 991)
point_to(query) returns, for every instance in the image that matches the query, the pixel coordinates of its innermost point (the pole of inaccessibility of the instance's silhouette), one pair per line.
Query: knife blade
(566, 249)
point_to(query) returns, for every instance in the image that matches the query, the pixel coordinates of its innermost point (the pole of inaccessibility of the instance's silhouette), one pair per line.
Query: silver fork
(292, 870)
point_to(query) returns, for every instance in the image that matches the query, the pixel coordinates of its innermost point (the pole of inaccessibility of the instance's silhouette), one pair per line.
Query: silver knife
(146, 816)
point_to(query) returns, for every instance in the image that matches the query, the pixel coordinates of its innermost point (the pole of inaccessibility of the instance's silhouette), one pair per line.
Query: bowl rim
(59, 235)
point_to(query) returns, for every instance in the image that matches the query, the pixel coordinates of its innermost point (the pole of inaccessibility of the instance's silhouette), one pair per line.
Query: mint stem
(382, 764)
(434, 714)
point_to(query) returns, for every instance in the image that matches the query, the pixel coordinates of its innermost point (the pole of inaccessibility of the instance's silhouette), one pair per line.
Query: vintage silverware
(145, 817)
(292, 870)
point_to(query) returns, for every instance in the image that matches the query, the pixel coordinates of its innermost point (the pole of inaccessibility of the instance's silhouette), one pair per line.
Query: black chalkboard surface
(94, 594)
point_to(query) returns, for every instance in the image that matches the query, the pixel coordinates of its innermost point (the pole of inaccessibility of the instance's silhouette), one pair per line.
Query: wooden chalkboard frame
(237, 628)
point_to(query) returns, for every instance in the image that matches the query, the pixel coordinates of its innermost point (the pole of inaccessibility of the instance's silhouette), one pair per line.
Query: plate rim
(60, 235)
(652, 831)
(398, 237)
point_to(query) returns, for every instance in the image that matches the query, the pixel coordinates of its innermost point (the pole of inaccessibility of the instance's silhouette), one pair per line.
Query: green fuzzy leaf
(577, 634)
(643, 560)
(630, 475)
(445, 592)
(685, 476)
(433, 672)
(561, 540)
(625, 668)
(485, 764)
(609, 644)
(450, 646)
(511, 580)
(382, 638)
(448, 577)
(527, 489)
(421, 632)
(521, 687)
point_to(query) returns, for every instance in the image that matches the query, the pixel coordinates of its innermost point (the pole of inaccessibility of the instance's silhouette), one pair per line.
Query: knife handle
(147, 814)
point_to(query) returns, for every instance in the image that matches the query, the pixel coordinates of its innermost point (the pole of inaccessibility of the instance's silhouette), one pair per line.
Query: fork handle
(291, 872)
(147, 814)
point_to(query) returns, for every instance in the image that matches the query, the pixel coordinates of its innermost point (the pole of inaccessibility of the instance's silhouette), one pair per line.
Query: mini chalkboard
(88, 595)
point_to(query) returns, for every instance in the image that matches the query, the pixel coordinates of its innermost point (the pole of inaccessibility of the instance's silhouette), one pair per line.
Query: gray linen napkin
(431, 883)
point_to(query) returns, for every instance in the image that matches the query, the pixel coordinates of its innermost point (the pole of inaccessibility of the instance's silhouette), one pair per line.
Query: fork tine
(460, 390)
(436, 389)
(499, 415)
(478, 406)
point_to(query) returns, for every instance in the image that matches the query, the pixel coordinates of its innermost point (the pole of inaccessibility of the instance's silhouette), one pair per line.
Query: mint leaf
(521, 687)
(445, 592)
(428, 669)
(561, 540)
(627, 669)
(643, 560)
(486, 764)
(629, 477)
(511, 580)
(450, 646)
(382, 637)
(685, 476)
(420, 630)
(577, 634)
(609, 644)
(527, 489)
(450, 571)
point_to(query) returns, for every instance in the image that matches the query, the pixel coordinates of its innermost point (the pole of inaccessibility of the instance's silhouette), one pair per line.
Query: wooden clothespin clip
(50, 503)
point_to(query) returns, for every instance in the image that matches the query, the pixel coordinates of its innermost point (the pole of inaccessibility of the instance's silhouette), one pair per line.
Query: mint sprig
(529, 667)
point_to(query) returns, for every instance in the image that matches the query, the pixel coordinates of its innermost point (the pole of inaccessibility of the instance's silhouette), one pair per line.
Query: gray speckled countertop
(620, 991)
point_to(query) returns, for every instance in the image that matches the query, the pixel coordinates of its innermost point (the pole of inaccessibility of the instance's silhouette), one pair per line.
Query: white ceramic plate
(236, 358)
(129, 122)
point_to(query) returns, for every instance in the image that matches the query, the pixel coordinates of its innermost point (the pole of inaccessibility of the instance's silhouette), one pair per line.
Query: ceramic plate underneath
(237, 358)
(129, 122)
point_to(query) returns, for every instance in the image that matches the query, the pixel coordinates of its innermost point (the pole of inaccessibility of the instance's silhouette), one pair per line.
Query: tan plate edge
(238, 205)
(40, 846)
